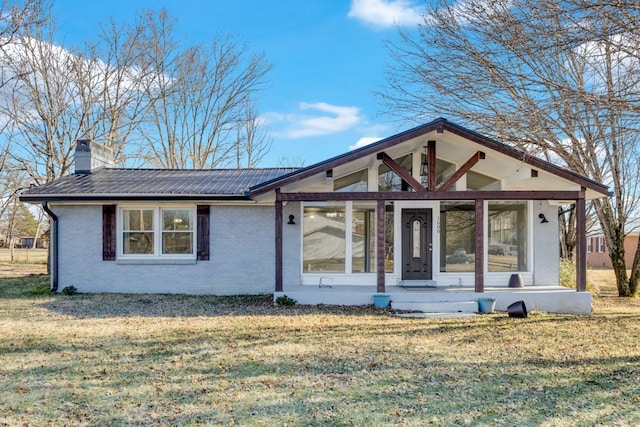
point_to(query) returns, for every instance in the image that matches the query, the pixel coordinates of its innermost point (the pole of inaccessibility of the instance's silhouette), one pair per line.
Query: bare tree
(54, 96)
(198, 97)
(253, 141)
(552, 76)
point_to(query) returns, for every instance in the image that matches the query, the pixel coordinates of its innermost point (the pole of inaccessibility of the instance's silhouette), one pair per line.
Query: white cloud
(314, 119)
(365, 140)
(385, 13)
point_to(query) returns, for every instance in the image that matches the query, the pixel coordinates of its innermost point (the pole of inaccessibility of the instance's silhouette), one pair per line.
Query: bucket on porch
(515, 281)
(486, 305)
(517, 309)
(381, 300)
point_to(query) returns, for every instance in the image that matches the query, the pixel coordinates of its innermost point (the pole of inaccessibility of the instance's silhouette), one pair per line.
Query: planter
(515, 281)
(486, 305)
(381, 300)
(517, 309)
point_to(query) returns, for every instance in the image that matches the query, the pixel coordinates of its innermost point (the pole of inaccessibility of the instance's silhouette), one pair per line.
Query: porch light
(291, 219)
(543, 219)
(424, 165)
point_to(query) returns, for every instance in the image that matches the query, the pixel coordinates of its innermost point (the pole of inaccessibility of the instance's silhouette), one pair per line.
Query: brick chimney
(91, 156)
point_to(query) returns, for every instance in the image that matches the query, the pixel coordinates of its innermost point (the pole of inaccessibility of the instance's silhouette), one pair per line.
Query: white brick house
(437, 207)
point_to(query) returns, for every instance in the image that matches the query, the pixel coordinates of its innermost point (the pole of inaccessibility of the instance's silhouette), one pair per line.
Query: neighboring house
(438, 207)
(598, 254)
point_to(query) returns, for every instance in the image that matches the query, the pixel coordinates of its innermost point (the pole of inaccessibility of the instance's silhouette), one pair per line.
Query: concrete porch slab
(550, 299)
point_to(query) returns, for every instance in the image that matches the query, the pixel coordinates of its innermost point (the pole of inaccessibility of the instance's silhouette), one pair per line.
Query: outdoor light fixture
(543, 219)
(424, 166)
(291, 219)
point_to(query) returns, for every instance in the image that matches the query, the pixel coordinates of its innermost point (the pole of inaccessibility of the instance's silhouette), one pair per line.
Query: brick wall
(241, 256)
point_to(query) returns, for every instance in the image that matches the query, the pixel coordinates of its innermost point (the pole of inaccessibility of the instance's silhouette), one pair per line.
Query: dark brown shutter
(203, 232)
(109, 232)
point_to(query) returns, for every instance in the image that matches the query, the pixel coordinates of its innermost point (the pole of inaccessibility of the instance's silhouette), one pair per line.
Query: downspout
(54, 245)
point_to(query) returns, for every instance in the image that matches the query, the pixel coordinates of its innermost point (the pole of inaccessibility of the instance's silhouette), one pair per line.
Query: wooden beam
(479, 271)
(463, 169)
(581, 244)
(431, 164)
(278, 218)
(380, 283)
(400, 171)
(430, 195)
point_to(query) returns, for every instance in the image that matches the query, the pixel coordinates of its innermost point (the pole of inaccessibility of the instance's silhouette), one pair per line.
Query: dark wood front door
(417, 244)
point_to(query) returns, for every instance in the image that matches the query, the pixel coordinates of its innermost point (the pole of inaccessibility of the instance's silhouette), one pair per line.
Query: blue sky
(328, 59)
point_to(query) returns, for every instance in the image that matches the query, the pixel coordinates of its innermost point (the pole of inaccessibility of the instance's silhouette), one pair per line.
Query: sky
(328, 60)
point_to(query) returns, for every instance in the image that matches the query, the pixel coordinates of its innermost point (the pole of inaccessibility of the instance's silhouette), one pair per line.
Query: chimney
(91, 156)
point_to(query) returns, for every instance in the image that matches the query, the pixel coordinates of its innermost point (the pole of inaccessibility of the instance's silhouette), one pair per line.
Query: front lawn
(185, 360)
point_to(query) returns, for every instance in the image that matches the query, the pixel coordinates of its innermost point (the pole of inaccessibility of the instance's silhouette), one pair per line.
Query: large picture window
(507, 249)
(324, 238)
(159, 232)
(458, 232)
(339, 238)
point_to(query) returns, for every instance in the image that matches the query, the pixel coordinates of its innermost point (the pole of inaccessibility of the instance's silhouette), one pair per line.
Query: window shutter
(203, 232)
(109, 232)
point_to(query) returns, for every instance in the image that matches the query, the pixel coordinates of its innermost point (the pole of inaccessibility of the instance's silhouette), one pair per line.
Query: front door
(417, 244)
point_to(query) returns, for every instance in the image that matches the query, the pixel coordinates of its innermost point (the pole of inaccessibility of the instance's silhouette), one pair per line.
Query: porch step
(437, 306)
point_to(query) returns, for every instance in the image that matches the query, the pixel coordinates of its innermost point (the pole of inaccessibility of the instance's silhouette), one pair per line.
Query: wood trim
(439, 126)
(431, 164)
(109, 232)
(400, 171)
(203, 230)
(380, 211)
(278, 230)
(463, 169)
(581, 245)
(479, 261)
(431, 195)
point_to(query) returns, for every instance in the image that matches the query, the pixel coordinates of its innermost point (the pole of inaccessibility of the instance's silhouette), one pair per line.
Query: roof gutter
(53, 253)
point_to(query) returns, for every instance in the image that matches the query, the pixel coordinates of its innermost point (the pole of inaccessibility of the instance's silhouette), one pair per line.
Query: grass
(185, 360)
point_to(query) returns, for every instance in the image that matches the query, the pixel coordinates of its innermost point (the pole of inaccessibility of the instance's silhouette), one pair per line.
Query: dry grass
(185, 360)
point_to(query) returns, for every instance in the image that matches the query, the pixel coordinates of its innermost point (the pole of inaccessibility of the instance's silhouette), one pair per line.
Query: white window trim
(157, 232)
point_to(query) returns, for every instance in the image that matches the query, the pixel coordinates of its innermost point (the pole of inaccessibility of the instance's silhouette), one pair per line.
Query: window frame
(157, 230)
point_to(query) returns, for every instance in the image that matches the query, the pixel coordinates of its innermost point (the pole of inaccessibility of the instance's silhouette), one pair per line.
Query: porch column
(581, 244)
(380, 211)
(278, 242)
(479, 276)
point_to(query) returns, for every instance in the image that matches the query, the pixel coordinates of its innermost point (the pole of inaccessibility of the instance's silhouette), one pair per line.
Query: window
(601, 245)
(363, 239)
(357, 181)
(157, 232)
(507, 249)
(389, 181)
(324, 238)
(339, 238)
(589, 244)
(457, 237)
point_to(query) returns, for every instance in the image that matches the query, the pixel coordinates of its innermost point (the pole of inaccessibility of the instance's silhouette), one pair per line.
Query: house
(598, 254)
(438, 213)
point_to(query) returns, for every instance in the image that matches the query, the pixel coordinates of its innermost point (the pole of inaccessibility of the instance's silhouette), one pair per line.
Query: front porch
(551, 299)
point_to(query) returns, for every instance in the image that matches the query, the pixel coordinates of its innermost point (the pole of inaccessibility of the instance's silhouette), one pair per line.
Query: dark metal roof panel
(209, 183)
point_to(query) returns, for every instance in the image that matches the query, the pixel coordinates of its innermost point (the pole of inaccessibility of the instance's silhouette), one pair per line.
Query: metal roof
(154, 183)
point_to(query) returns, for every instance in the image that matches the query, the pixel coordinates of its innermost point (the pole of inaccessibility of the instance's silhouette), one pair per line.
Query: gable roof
(245, 184)
(439, 126)
(156, 184)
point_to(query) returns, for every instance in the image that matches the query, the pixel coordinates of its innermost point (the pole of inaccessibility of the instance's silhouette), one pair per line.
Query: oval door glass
(416, 238)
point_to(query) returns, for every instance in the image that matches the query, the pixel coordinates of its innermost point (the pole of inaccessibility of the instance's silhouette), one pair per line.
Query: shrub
(69, 290)
(285, 301)
(568, 276)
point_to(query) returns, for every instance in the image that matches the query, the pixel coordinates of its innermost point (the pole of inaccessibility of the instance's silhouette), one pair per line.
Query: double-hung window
(157, 231)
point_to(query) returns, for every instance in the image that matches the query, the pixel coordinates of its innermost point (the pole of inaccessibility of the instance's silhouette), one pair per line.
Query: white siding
(546, 247)
(241, 261)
